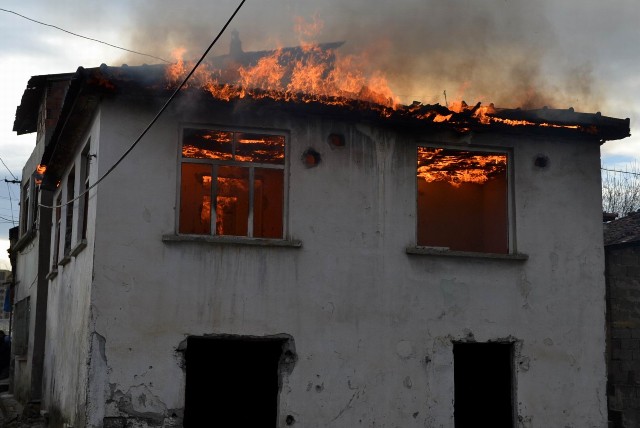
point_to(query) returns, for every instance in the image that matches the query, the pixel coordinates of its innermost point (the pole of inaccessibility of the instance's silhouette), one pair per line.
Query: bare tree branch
(621, 190)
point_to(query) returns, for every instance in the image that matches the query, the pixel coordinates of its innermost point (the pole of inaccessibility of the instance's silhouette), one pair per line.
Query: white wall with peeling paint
(373, 326)
(71, 348)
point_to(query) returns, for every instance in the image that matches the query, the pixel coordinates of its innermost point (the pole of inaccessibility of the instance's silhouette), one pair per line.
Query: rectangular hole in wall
(483, 377)
(232, 381)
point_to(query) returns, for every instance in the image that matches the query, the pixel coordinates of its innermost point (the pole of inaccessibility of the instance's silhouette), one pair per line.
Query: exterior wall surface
(69, 338)
(373, 326)
(27, 278)
(623, 285)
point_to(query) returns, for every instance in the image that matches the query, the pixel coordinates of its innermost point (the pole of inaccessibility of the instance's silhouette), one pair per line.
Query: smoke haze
(493, 51)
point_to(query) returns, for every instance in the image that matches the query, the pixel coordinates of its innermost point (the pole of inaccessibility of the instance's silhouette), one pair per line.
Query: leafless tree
(621, 189)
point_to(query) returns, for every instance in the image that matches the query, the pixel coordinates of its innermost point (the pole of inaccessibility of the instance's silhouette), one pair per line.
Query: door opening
(483, 383)
(232, 381)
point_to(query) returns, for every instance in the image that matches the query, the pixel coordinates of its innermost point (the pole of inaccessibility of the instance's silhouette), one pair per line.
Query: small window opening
(25, 206)
(232, 382)
(56, 231)
(85, 165)
(71, 180)
(483, 384)
(462, 200)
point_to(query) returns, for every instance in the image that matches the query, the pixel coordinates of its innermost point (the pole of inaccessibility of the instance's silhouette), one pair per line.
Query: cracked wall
(373, 325)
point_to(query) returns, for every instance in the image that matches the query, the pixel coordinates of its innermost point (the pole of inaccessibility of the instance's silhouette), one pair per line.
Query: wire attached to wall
(157, 116)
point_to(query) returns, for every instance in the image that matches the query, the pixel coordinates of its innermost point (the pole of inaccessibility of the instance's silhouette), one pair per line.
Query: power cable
(11, 202)
(5, 165)
(84, 37)
(157, 116)
(620, 172)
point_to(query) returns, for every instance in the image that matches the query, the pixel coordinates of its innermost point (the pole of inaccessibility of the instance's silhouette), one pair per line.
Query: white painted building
(262, 263)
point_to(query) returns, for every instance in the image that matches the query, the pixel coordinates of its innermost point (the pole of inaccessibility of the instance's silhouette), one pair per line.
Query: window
(232, 183)
(483, 385)
(25, 208)
(85, 167)
(462, 201)
(21, 317)
(68, 225)
(29, 201)
(57, 223)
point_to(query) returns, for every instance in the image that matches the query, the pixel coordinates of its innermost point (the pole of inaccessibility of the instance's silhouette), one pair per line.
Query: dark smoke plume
(492, 51)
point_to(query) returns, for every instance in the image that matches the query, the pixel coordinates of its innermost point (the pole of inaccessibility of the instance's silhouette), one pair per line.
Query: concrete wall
(623, 283)
(373, 326)
(27, 277)
(69, 339)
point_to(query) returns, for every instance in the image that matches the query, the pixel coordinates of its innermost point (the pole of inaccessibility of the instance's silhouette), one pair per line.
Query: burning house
(289, 247)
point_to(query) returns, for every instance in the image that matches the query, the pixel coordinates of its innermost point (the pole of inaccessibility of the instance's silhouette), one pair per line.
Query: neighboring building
(5, 293)
(622, 256)
(258, 262)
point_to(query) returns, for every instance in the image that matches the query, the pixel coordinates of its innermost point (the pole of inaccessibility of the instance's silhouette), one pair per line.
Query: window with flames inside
(232, 183)
(462, 200)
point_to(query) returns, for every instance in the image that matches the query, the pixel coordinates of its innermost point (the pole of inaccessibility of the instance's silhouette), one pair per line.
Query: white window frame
(249, 165)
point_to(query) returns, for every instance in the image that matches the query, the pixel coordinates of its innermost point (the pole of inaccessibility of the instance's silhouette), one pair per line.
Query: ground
(13, 415)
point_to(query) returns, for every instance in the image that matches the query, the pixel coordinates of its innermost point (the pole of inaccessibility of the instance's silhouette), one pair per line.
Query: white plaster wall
(373, 326)
(68, 345)
(26, 286)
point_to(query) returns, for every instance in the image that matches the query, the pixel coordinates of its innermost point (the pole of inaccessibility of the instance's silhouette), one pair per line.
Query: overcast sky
(516, 53)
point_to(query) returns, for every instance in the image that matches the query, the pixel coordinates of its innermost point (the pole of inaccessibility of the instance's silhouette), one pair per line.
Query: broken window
(232, 183)
(232, 381)
(483, 383)
(462, 200)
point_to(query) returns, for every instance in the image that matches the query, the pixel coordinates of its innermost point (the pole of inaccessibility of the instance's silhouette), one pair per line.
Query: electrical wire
(157, 116)
(11, 202)
(620, 172)
(5, 165)
(84, 37)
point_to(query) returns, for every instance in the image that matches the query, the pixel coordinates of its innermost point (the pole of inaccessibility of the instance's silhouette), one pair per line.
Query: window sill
(24, 240)
(233, 240)
(52, 274)
(66, 259)
(443, 252)
(78, 248)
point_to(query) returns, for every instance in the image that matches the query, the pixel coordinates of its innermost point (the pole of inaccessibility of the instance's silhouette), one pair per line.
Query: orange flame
(457, 167)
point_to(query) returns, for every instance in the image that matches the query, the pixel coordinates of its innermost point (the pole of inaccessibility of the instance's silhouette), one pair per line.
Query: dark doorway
(232, 381)
(483, 384)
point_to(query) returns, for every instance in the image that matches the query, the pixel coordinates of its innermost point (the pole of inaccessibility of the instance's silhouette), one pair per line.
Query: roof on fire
(149, 80)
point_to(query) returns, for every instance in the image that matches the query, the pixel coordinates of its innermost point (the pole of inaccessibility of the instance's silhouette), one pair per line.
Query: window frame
(250, 166)
(26, 201)
(69, 222)
(29, 200)
(510, 226)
